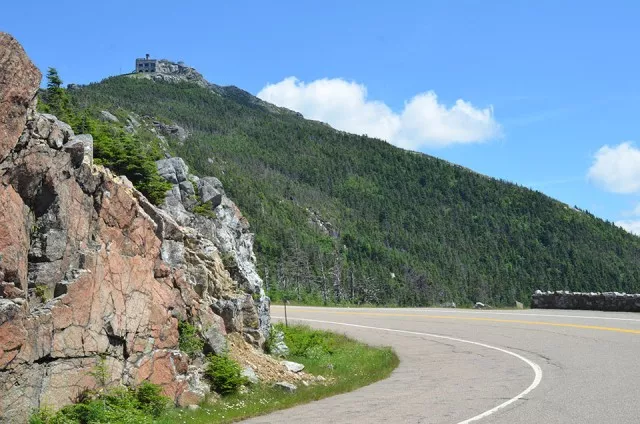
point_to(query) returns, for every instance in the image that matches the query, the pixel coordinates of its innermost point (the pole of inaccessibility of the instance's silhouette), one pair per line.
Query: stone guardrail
(607, 301)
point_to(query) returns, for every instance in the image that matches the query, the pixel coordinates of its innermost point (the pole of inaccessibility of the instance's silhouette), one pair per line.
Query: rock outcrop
(173, 130)
(17, 80)
(174, 72)
(92, 273)
(201, 207)
(168, 71)
(608, 301)
(105, 115)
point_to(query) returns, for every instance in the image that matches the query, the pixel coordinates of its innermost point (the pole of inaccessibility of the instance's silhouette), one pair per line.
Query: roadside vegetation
(345, 364)
(108, 405)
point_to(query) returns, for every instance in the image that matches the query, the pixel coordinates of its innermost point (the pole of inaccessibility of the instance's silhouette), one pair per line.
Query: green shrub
(270, 342)
(115, 406)
(229, 261)
(306, 342)
(46, 415)
(204, 209)
(189, 340)
(41, 292)
(224, 374)
(150, 398)
(100, 372)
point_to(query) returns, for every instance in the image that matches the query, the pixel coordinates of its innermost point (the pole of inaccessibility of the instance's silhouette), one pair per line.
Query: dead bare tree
(281, 277)
(323, 283)
(351, 287)
(368, 292)
(298, 269)
(336, 273)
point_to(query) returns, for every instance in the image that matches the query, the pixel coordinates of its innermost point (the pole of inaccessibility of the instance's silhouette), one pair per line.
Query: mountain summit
(165, 70)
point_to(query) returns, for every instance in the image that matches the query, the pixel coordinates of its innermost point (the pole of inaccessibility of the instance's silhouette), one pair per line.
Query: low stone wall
(608, 301)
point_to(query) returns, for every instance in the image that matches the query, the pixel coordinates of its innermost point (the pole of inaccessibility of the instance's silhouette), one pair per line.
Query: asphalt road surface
(460, 366)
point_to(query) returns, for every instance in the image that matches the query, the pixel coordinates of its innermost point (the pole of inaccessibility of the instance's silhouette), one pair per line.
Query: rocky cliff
(91, 272)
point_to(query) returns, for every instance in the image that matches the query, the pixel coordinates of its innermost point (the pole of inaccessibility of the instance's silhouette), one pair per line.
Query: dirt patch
(267, 368)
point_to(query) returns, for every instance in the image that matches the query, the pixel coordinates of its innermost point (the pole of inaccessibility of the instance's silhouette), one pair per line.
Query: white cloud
(422, 122)
(617, 169)
(633, 212)
(630, 225)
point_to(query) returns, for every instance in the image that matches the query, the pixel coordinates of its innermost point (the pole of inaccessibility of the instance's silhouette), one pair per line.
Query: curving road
(459, 366)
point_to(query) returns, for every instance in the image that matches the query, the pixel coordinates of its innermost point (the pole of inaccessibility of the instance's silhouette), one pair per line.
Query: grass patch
(346, 364)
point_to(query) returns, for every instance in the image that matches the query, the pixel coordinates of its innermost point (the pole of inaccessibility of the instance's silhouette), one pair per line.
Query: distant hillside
(347, 218)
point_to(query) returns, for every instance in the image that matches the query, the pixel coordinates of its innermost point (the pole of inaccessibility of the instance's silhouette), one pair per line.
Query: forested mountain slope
(340, 217)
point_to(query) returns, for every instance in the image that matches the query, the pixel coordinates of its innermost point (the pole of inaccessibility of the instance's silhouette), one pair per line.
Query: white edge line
(535, 367)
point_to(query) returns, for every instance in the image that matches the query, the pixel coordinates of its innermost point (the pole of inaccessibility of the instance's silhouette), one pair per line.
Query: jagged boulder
(278, 346)
(210, 190)
(173, 170)
(173, 130)
(80, 147)
(285, 386)
(251, 376)
(215, 342)
(292, 366)
(49, 128)
(108, 116)
(17, 81)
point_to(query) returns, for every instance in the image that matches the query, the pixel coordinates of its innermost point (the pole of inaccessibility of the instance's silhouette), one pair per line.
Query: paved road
(458, 366)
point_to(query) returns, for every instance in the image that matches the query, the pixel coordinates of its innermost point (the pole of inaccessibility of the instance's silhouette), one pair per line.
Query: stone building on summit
(146, 64)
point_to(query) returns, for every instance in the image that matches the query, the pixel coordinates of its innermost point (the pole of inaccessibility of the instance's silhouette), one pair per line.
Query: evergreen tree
(114, 147)
(54, 81)
(56, 98)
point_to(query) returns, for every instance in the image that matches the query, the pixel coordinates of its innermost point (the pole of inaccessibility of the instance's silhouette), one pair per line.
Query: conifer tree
(56, 97)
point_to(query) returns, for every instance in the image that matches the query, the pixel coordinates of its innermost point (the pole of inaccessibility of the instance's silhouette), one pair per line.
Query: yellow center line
(458, 318)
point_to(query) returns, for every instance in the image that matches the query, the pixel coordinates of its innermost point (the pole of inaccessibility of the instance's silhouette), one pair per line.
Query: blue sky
(558, 79)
